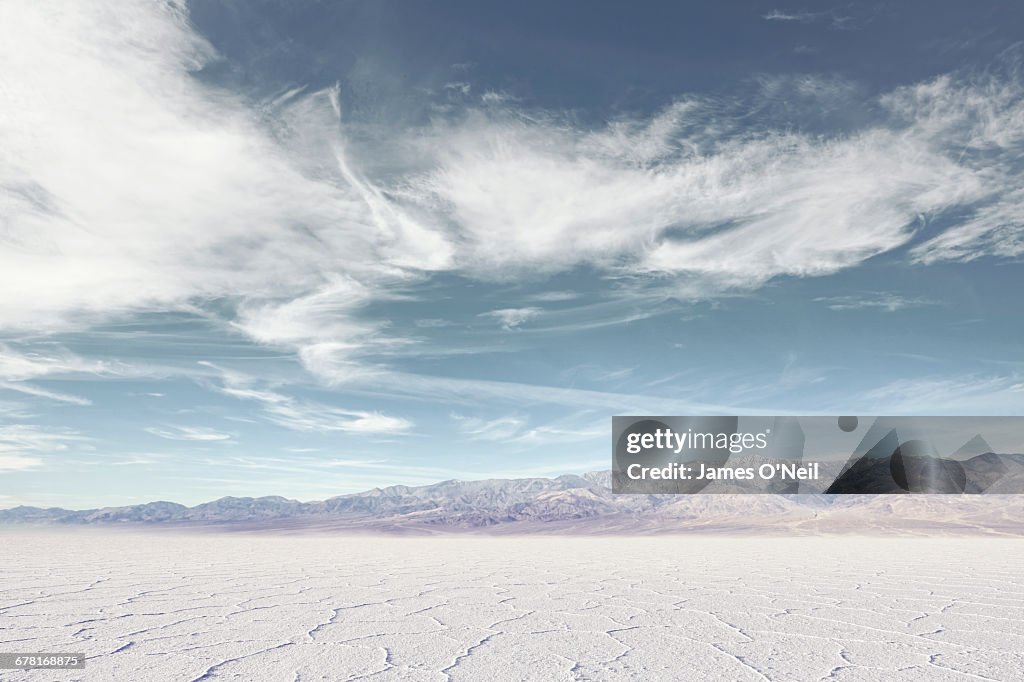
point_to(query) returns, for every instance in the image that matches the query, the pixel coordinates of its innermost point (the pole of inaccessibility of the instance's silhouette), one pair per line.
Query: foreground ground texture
(249, 607)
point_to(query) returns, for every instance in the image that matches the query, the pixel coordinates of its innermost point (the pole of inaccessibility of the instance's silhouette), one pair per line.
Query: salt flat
(161, 606)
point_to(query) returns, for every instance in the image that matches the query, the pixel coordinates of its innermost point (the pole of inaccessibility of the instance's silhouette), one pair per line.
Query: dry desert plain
(169, 606)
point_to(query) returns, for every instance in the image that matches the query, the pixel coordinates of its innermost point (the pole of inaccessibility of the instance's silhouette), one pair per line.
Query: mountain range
(566, 504)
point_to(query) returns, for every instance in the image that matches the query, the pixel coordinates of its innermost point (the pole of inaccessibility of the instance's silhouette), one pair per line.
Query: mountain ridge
(565, 504)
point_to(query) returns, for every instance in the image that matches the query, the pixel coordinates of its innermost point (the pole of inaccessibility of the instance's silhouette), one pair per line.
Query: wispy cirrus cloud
(517, 430)
(21, 365)
(29, 389)
(304, 415)
(24, 446)
(190, 433)
(18, 462)
(460, 391)
(964, 394)
(499, 429)
(17, 367)
(832, 17)
(885, 302)
(277, 215)
(801, 17)
(556, 296)
(693, 200)
(200, 199)
(511, 318)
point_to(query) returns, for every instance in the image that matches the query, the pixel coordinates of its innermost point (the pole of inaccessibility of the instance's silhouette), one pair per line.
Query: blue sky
(309, 248)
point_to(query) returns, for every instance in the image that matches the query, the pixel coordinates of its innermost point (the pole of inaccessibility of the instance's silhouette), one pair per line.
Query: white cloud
(432, 323)
(145, 189)
(547, 434)
(694, 195)
(190, 433)
(457, 391)
(981, 122)
(511, 318)
(315, 417)
(22, 445)
(515, 429)
(459, 87)
(684, 195)
(496, 97)
(556, 296)
(500, 429)
(309, 416)
(29, 389)
(18, 462)
(373, 422)
(885, 302)
(835, 20)
(18, 365)
(14, 411)
(801, 17)
(322, 325)
(50, 361)
(971, 394)
(995, 229)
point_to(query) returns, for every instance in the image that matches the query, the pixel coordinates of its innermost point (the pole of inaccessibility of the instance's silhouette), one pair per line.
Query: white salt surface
(211, 607)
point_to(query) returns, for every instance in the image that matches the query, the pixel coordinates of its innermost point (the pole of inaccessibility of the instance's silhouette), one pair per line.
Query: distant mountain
(986, 472)
(566, 504)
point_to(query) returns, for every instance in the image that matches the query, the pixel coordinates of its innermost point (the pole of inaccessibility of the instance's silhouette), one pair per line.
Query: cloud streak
(150, 190)
(889, 303)
(29, 389)
(516, 430)
(307, 416)
(16, 365)
(190, 433)
(835, 20)
(23, 446)
(512, 318)
(969, 394)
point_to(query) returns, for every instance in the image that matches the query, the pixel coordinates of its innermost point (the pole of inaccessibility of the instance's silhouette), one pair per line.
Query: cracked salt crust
(196, 607)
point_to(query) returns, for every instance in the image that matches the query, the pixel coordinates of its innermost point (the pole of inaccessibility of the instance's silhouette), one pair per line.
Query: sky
(309, 248)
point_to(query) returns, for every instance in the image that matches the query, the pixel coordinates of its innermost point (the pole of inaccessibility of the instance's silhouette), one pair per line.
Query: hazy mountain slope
(577, 504)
